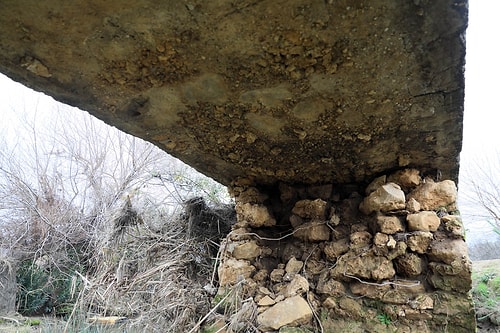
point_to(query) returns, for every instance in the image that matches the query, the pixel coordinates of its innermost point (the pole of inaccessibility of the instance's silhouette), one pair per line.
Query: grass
(486, 291)
(384, 318)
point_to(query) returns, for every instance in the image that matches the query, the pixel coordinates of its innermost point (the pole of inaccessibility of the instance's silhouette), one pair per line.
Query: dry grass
(161, 278)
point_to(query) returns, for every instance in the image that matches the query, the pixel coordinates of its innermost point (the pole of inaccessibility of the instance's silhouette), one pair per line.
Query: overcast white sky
(482, 110)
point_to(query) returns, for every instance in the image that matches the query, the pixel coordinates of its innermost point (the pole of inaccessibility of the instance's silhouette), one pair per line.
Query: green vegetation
(486, 292)
(384, 318)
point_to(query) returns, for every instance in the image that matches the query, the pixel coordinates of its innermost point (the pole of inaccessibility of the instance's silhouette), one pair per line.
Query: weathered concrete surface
(299, 91)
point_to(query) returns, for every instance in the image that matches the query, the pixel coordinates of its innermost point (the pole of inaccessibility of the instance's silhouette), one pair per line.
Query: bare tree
(481, 190)
(59, 183)
(65, 175)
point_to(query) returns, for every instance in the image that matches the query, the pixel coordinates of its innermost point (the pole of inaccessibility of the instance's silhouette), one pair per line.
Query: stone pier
(387, 257)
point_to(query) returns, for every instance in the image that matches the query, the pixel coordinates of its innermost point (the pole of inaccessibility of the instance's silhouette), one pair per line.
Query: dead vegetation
(158, 274)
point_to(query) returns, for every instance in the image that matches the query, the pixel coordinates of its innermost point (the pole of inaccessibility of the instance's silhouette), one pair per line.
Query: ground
(486, 291)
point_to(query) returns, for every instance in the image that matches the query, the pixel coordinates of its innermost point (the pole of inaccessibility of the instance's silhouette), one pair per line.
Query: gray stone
(293, 266)
(254, 215)
(419, 241)
(247, 250)
(407, 178)
(232, 270)
(298, 286)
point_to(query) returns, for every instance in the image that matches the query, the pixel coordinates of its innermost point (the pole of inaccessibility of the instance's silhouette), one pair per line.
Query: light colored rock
(413, 205)
(423, 221)
(375, 184)
(314, 231)
(407, 178)
(386, 198)
(432, 196)
(419, 241)
(335, 249)
(247, 250)
(264, 291)
(360, 239)
(293, 311)
(391, 243)
(389, 224)
(297, 286)
(310, 209)
(453, 224)
(266, 301)
(330, 303)
(293, 266)
(254, 215)
(380, 239)
(232, 270)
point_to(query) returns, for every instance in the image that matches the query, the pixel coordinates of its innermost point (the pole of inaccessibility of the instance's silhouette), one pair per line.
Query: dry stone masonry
(389, 259)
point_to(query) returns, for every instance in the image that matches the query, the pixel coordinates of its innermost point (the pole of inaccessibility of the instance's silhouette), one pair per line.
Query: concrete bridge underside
(297, 106)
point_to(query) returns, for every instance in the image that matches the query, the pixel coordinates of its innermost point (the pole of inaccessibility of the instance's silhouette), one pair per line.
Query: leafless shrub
(117, 203)
(160, 279)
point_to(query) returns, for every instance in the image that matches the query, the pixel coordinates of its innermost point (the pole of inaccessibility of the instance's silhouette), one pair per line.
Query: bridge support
(389, 257)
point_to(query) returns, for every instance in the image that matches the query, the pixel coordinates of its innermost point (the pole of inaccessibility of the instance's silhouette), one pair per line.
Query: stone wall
(390, 257)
